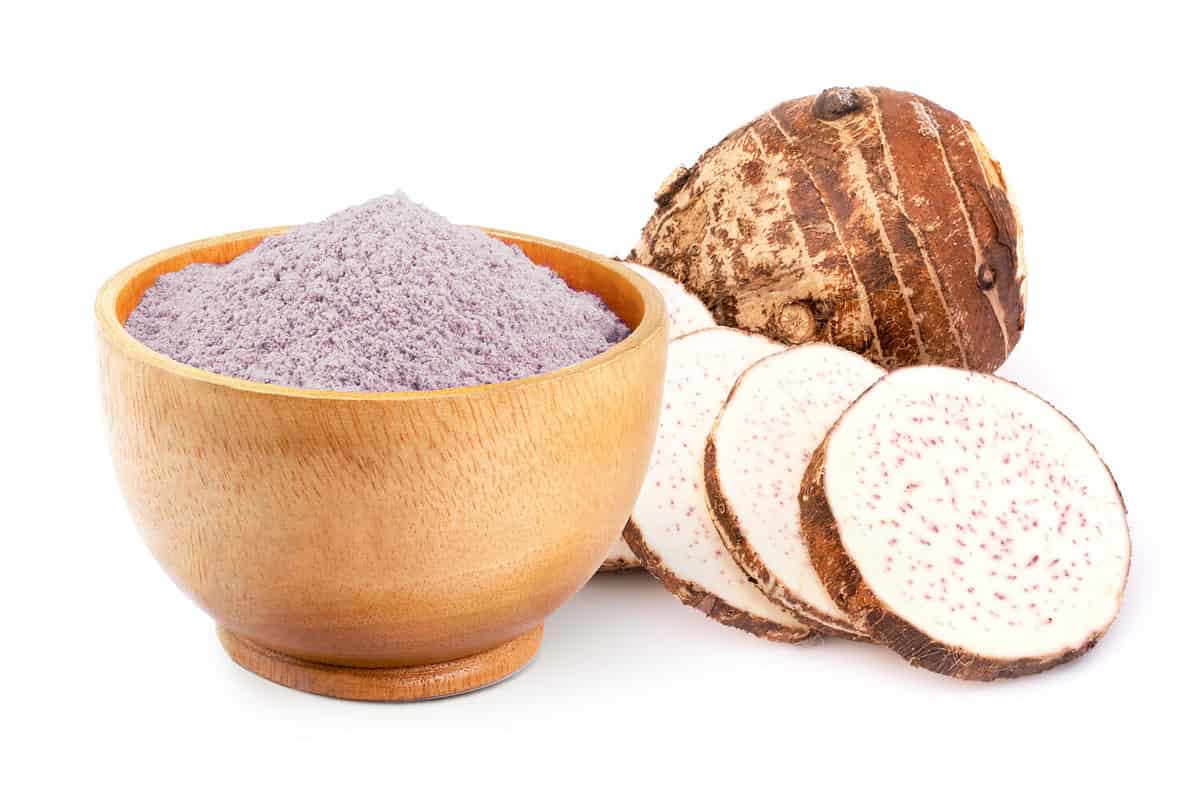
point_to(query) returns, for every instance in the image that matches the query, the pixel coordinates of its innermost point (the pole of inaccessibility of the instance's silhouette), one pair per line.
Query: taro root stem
(836, 102)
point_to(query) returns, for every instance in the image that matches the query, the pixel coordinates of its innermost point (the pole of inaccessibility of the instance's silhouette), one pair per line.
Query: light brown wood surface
(444, 679)
(382, 530)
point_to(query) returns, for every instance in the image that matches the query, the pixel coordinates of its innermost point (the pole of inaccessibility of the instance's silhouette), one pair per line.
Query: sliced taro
(775, 417)
(670, 530)
(967, 524)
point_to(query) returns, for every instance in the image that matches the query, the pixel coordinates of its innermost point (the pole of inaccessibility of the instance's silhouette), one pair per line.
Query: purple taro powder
(385, 296)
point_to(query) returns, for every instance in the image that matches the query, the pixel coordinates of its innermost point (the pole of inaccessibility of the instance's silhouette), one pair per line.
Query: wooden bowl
(382, 546)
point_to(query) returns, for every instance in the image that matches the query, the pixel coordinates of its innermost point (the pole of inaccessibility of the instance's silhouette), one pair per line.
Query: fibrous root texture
(868, 218)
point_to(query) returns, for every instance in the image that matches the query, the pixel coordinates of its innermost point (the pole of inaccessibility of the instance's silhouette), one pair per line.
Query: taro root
(966, 524)
(868, 218)
(685, 311)
(686, 314)
(670, 530)
(777, 414)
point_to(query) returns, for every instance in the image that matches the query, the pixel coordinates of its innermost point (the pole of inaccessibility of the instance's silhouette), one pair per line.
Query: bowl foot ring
(424, 682)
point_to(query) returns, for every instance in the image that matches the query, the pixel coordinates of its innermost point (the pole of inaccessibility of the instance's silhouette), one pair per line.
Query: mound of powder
(385, 296)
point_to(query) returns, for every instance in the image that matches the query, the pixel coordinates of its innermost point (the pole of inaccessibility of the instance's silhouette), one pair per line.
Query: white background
(124, 130)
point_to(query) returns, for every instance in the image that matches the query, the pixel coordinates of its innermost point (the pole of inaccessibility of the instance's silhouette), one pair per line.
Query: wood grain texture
(869, 218)
(385, 683)
(382, 529)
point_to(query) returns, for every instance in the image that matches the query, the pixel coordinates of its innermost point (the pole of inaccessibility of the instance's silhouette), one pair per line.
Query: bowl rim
(654, 317)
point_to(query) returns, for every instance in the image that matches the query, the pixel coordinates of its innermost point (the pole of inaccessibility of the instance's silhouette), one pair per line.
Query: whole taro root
(869, 218)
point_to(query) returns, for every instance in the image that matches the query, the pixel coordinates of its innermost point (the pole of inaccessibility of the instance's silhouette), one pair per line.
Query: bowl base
(424, 682)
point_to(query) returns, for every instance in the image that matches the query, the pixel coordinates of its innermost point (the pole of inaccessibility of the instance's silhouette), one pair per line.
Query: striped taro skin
(868, 218)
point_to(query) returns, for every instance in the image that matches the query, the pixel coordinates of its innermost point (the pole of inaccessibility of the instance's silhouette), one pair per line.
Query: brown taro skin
(669, 529)
(707, 603)
(869, 218)
(855, 597)
(853, 593)
(776, 413)
(729, 528)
